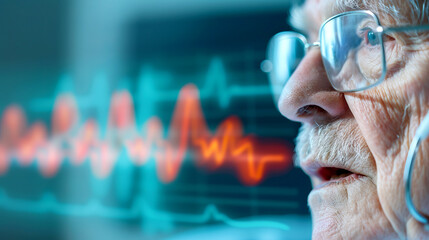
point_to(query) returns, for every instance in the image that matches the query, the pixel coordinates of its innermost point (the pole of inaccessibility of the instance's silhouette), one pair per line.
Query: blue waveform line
(49, 204)
(215, 86)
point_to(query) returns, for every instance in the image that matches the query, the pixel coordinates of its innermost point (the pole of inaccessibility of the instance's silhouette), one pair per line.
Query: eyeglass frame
(380, 30)
(408, 170)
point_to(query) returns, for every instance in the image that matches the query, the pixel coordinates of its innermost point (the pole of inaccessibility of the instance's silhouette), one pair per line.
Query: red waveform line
(252, 158)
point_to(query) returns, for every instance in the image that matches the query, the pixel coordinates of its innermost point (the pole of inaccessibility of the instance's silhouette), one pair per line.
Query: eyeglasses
(352, 49)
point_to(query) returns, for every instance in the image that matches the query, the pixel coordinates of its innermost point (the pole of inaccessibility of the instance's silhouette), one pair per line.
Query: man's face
(354, 145)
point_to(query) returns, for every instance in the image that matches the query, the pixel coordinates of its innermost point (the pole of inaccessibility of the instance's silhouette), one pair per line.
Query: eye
(370, 37)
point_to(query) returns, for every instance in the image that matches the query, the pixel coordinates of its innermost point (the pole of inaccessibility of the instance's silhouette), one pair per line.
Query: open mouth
(330, 175)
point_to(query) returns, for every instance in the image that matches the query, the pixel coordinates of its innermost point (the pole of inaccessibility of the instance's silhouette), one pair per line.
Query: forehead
(313, 13)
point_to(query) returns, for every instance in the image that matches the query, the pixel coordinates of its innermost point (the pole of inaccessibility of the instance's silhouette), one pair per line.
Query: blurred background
(144, 119)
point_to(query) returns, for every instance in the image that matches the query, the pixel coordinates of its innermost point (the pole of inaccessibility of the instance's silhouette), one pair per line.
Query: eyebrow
(347, 5)
(298, 17)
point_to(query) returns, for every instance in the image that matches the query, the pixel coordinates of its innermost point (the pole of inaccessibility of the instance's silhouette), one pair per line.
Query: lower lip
(343, 181)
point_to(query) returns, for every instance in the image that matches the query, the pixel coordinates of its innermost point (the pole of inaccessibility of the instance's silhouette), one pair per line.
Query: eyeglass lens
(285, 52)
(352, 51)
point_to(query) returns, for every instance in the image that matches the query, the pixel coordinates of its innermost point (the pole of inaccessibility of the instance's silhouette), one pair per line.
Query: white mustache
(338, 141)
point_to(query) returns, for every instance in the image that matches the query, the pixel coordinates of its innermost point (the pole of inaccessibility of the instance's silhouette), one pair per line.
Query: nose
(308, 96)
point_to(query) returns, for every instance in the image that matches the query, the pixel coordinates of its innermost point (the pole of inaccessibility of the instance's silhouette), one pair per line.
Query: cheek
(369, 60)
(388, 116)
(383, 125)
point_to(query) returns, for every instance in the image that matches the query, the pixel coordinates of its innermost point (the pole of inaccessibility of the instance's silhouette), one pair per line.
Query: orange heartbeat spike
(188, 131)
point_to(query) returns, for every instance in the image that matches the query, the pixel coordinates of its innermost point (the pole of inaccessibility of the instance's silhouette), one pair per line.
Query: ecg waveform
(49, 204)
(217, 85)
(78, 141)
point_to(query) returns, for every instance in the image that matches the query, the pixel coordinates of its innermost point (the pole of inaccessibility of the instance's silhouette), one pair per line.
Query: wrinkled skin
(383, 121)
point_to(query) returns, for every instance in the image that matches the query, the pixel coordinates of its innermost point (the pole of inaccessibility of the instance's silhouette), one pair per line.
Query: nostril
(308, 110)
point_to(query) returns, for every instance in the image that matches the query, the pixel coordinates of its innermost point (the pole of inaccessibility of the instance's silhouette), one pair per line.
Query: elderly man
(359, 83)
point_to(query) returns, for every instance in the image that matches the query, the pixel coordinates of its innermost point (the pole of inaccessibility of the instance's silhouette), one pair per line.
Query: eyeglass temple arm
(405, 28)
